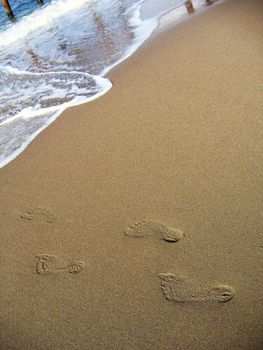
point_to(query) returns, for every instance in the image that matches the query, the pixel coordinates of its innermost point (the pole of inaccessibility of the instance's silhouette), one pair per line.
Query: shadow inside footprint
(154, 229)
(181, 289)
(46, 263)
(39, 214)
(52, 264)
(75, 267)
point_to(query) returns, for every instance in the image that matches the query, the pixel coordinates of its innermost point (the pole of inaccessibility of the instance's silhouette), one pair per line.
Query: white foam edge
(39, 18)
(30, 112)
(76, 102)
(135, 21)
(146, 28)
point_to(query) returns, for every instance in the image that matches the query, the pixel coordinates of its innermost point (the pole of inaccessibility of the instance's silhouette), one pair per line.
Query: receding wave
(40, 18)
(58, 56)
(33, 100)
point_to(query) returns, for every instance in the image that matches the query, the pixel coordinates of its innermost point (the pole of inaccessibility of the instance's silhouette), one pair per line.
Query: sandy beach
(135, 221)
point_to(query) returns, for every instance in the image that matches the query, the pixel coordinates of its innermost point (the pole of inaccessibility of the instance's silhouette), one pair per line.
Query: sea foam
(58, 57)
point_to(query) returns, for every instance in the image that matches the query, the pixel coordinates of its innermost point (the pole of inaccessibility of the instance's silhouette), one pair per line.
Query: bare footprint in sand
(181, 289)
(52, 264)
(154, 229)
(39, 214)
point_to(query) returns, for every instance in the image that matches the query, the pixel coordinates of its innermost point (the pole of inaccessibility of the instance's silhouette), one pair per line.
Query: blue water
(20, 9)
(57, 55)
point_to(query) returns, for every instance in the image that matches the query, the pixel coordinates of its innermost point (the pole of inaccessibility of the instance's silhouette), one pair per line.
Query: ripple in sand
(182, 289)
(154, 229)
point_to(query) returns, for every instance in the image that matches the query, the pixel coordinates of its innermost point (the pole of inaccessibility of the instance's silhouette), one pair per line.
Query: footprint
(154, 229)
(181, 289)
(46, 263)
(75, 267)
(52, 264)
(39, 214)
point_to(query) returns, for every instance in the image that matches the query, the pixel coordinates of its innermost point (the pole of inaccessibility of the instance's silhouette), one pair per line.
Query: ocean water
(57, 55)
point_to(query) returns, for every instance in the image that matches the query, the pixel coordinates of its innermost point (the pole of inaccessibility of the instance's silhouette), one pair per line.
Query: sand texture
(135, 221)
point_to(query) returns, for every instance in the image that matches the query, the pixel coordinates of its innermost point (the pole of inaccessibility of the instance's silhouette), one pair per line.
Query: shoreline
(154, 26)
(172, 153)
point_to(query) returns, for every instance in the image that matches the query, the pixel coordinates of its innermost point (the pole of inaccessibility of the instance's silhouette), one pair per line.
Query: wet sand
(135, 221)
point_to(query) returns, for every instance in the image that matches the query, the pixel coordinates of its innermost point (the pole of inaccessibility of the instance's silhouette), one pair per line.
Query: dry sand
(135, 221)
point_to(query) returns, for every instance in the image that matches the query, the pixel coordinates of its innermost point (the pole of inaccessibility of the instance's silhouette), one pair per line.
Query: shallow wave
(41, 91)
(58, 65)
(43, 98)
(58, 56)
(39, 18)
